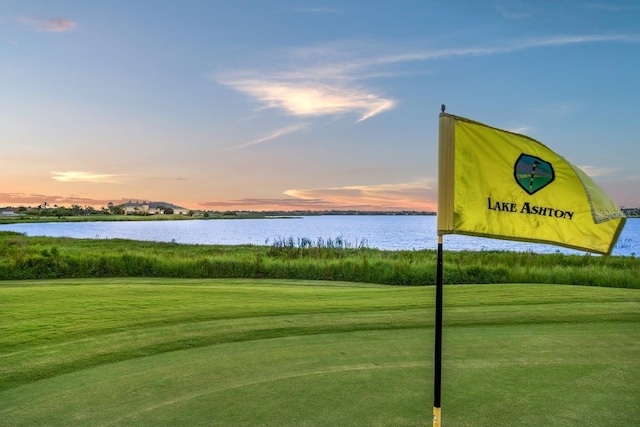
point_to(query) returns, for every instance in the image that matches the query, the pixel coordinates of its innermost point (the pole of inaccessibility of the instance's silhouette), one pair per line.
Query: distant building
(8, 211)
(153, 208)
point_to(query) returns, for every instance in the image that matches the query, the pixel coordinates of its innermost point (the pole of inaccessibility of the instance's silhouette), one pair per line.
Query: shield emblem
(532, 173)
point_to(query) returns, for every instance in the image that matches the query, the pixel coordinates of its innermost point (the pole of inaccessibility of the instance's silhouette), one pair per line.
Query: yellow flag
(495, 183)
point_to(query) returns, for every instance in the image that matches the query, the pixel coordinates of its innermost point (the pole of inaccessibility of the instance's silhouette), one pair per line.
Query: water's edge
(382, 232)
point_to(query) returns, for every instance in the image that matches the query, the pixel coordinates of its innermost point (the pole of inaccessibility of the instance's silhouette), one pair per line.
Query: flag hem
(546, 242)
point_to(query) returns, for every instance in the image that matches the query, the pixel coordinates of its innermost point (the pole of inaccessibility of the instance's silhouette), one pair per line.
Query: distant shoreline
(23, 219)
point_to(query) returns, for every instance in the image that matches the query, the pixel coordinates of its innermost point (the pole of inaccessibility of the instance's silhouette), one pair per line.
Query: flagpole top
(442, 108)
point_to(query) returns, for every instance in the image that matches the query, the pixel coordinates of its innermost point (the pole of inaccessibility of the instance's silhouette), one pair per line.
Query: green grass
(24, 257)
(287, 352)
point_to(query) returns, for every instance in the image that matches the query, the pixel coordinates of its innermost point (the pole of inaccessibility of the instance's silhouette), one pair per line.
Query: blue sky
(302, 104)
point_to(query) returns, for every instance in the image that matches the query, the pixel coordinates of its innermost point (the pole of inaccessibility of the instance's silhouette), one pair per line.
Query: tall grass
(23, 257)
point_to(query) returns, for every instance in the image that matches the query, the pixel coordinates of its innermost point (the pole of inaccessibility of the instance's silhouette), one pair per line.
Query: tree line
(45, 209)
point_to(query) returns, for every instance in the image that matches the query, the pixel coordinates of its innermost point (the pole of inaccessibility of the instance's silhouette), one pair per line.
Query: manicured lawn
(270, 352)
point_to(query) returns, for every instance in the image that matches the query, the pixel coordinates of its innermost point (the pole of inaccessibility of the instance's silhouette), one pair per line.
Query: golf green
(316, 353)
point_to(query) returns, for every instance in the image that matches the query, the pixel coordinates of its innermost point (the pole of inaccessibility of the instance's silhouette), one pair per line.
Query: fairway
(273, 353)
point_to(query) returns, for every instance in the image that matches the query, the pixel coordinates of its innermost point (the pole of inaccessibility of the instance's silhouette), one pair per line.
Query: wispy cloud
(322, 10)
(58, 25)
(310, 98)
(270, 204)
(507, 47)
(273, 135)
(332, 79)
(512, 14)
(594, 171)
(77, 176)
(313, 81)
(576, 39)
(608, 7)
(50, 25)
(520, 130)
(31, 199)
(169, 178)
(419, 195)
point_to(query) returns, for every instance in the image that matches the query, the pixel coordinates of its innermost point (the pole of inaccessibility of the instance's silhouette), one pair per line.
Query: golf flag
(499, 184)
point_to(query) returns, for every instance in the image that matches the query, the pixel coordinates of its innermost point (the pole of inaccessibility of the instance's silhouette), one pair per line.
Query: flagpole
(446, 142)
(437, 368)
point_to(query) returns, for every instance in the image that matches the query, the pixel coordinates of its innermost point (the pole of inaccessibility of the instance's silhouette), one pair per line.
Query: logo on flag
(532, 173)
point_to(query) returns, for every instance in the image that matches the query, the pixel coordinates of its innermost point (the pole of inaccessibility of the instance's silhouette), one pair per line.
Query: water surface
(391, 232)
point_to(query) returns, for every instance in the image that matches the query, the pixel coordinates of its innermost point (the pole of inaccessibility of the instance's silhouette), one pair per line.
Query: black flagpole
(437, 368)
(442, 189)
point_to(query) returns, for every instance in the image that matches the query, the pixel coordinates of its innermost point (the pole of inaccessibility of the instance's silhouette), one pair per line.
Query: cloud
(521, 130)
(418, 196)
(30, 199)
(600, 7)
(329, 79)
(169, 178)
(58, 25)
(273, 135)
(77, 176)
(323, 10)
(51, 25)
(510, 14)
(321, 80)
(576, 39)
(268, 204)
(312, 98)
(508, 47)
(500, 48)
(594, 171)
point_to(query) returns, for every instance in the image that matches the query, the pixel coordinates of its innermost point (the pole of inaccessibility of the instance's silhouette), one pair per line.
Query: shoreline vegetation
(25, 257)
(31, 216)
(76, 213)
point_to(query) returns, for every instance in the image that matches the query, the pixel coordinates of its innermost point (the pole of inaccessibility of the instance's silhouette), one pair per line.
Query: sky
(302, 105)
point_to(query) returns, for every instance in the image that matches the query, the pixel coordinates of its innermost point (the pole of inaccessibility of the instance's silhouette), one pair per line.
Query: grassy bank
(24, 257)
(289, 353)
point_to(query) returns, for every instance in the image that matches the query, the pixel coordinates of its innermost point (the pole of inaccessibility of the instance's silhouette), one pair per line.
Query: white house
(8, 211)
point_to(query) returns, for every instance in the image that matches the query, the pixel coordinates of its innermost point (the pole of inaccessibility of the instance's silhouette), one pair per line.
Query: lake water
(391, 232)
